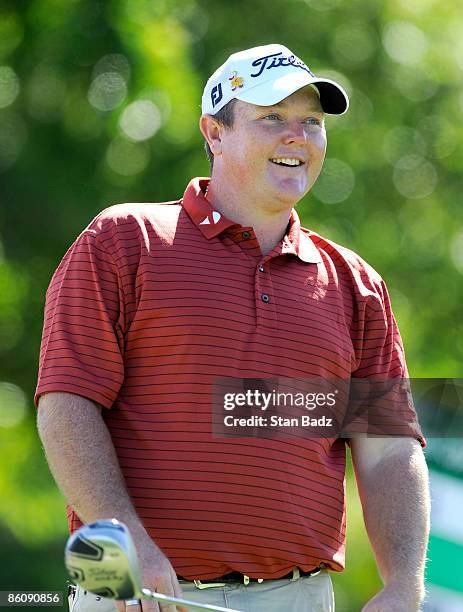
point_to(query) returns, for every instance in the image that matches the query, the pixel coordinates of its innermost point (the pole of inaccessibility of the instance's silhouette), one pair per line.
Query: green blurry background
(99, 104)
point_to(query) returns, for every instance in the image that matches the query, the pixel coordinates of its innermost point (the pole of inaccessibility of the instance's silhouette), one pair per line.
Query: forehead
(303, 100)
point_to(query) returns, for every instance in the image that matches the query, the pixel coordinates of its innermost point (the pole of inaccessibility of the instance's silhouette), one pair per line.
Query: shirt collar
(209, 221)
(297, 242)
(212, 222)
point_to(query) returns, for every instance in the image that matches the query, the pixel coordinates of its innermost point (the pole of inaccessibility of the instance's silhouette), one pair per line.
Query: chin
(293, 186)
(291, 195)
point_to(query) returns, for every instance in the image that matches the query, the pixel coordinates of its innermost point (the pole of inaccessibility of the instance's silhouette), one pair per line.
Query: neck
(269, 221)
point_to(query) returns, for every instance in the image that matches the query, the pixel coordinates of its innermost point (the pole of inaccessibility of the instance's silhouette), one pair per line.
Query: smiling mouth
(287, 162)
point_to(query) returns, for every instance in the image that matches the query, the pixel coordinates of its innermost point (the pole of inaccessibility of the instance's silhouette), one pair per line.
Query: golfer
(155, 302)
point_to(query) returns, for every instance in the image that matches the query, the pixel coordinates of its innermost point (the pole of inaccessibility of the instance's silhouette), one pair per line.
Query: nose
(295, 132)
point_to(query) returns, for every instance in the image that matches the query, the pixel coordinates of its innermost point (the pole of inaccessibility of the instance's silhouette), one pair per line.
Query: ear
(212, 132)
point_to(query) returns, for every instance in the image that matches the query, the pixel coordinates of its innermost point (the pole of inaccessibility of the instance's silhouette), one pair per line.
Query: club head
(101, 558)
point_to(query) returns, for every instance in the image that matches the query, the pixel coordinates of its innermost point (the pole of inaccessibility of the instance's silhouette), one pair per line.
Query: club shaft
(192, 605)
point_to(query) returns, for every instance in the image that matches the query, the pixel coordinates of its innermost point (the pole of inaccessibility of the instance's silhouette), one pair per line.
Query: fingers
(145, 606)
(178, 593)
(159, 576)
(165, 585)
(122, 606)
(149, 606)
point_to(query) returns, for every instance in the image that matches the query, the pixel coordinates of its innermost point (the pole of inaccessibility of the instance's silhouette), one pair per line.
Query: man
(153, 302)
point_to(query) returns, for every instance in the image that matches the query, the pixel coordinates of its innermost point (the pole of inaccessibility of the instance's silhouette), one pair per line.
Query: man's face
(264, 140)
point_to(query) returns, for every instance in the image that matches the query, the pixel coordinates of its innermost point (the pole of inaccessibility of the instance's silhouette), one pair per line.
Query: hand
(157, 574)
(395, 598)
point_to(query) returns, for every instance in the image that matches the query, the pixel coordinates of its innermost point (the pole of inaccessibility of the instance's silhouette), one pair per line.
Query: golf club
(101, 558)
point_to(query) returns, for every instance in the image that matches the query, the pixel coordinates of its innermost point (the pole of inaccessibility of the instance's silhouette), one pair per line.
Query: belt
(238, 577)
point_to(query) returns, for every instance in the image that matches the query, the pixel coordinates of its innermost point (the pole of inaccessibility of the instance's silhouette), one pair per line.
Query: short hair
(226, 117)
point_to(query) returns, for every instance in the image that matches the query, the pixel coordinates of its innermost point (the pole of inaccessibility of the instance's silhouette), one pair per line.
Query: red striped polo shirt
(150, 303)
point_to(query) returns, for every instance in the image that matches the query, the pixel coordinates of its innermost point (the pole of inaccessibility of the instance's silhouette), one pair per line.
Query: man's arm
(392, 479)
(84, 463)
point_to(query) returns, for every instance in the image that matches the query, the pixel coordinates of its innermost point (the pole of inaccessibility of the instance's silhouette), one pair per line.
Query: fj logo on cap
(216, 94)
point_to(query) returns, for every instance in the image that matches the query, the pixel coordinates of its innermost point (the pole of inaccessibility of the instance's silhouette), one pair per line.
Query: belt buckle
(209, 585)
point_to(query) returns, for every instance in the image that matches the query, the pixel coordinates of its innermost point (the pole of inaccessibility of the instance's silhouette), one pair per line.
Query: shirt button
(261, 269)
(265, 298)
(246, 235)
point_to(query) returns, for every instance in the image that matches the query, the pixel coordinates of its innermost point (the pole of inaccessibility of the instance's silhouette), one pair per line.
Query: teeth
(286, 161)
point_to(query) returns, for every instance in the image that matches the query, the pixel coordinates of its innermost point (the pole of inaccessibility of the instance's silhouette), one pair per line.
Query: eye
(272, 116)
(313, 121)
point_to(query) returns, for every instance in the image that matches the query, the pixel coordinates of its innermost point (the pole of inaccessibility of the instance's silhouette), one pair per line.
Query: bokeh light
(11, 330)
(405, 42)
(440, 134)
(14, 288)
(140, 120)
(416, 84)
(359, 113)
(323, 5)
(414, 177)
(13, 136)
(144, 11)
(458, 48)
(112, 62)
(416, 6)
(422, 222)
(9, 86)
(353, 44)
(80, 120)
(382, 229)
(127, 158)
(161, 100)
(177, 133)
(11, 32)
(456, 251)
(13, 404)
(195, 18)
(401, 305)
(107, 91)
(46, 91)
(401, 141)
(335, 183)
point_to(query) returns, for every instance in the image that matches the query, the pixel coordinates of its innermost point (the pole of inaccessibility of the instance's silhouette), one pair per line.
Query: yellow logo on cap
(236, 81)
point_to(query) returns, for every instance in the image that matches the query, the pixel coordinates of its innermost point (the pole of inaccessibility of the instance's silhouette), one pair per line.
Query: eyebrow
(283, 104)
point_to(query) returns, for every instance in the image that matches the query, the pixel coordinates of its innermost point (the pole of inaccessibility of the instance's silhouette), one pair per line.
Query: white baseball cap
(265, 76)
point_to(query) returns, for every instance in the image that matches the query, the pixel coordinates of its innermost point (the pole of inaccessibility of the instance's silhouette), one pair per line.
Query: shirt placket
(264, 296)
(265, 302)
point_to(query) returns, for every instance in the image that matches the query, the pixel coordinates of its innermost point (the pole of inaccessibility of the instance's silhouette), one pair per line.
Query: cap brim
(333, 98)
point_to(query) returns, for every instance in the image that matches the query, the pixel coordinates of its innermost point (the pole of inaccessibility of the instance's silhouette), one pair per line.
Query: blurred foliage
(99, 103)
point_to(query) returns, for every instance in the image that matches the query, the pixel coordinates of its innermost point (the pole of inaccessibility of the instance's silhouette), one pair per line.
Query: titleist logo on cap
(277, 61)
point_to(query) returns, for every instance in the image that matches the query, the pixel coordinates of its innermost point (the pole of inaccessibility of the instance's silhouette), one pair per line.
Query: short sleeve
(381, 402)
(381, 351)
(82, 342)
